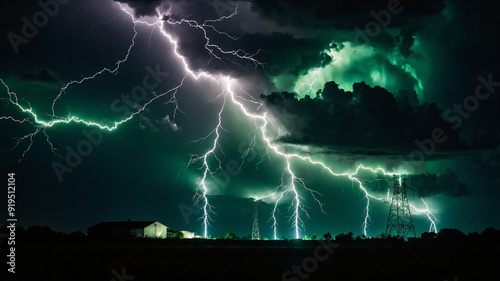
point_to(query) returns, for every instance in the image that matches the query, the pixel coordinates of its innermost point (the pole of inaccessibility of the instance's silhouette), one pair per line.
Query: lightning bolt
(429, 214)
(290, 182)
(309, 86)
(296, 202)
(202, 190)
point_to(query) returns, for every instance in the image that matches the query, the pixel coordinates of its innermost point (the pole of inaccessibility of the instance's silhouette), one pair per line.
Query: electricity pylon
(399, 219)
(255, 228)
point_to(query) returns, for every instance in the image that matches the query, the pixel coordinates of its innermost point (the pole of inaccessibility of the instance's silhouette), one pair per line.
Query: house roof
(123, 224)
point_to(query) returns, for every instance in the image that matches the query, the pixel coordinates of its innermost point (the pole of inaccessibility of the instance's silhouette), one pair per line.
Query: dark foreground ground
(253, 260)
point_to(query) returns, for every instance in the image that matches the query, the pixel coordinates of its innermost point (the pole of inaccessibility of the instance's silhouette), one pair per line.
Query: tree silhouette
(451, 235)
(345, 237)
(327, 236)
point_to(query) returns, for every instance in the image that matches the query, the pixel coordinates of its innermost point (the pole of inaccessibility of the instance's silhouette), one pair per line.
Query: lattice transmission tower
(399, 220)
(255, 227)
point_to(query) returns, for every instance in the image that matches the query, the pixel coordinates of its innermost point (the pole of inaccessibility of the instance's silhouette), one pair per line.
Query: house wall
(155, 230)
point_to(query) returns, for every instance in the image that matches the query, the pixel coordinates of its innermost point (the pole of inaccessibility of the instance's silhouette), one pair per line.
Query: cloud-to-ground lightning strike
(429, 214)
(296, 202)
(201, 191)
(261, 120)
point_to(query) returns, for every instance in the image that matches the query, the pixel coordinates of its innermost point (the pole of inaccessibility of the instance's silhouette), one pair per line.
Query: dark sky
(406, 86)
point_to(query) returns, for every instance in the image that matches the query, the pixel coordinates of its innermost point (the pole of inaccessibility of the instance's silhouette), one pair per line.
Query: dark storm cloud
(192, 44)
(299, 14)
(447, 43)
(272, 49)
(462, 45)
(422, 185)
(338, 14)
(367, 117)
(335, 21)
(445, 183)
(310, 29)
(277, 54)
(42, 76)
(177, 9)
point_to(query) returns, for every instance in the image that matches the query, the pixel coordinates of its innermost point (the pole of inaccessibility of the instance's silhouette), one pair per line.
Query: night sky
(410, 87)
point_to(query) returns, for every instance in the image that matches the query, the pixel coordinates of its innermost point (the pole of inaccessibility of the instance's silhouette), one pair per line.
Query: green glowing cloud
(354, 63)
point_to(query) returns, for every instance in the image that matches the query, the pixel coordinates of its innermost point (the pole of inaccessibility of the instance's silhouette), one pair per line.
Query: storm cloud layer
(401, 49)
(370, 118)
(446, 184)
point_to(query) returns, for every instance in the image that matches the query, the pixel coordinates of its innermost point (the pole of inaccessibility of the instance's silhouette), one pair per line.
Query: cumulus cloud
(369, 117)
(445, 183)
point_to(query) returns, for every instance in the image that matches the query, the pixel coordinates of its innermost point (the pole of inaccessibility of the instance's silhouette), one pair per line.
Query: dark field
(145, 259)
